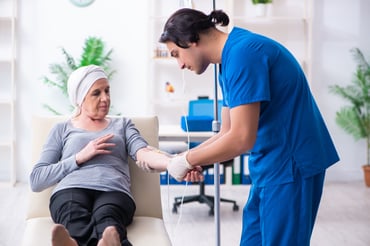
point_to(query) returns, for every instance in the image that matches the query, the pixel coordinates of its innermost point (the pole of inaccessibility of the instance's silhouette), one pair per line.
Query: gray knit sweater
(57, 163)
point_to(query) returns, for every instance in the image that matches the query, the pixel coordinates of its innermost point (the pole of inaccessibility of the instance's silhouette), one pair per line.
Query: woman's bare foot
(110, 237)
(61, 237)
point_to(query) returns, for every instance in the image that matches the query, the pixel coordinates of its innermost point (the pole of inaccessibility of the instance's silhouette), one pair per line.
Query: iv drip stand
(216, 166)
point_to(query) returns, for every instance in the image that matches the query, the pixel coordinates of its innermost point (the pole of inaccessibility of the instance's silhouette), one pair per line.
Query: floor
(343, 218)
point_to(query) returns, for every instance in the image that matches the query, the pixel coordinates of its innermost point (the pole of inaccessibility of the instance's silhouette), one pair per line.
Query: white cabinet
(7, 90)
(287, 21)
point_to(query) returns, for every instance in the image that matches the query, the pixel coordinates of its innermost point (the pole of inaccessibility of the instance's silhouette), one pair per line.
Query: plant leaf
(355, 118)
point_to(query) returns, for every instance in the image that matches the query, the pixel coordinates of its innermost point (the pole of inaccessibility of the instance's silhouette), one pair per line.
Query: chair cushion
(143, 231)
(38, 232)
(148, 231)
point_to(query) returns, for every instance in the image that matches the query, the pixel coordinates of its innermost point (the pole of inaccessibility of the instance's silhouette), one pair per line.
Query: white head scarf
(81, 80)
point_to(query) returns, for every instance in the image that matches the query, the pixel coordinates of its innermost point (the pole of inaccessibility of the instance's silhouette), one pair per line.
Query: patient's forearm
(152, 159)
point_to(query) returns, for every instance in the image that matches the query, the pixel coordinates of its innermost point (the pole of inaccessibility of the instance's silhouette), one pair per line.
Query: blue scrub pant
(282, 215)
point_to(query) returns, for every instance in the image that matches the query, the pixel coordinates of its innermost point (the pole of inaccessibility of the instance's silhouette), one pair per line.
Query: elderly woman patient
(87, 158)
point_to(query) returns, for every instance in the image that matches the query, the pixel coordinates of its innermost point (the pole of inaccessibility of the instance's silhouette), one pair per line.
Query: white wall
(339, 25)
(44, 25)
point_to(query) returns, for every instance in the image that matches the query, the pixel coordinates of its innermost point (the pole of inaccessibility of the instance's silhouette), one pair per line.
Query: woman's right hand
(98, 146)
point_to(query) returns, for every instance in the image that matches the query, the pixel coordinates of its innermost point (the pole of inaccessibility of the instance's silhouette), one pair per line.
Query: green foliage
(355, 118)
(261, 1)
(94, 52)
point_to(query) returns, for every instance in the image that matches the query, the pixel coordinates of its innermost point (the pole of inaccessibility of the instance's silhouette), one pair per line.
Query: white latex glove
(179, 167)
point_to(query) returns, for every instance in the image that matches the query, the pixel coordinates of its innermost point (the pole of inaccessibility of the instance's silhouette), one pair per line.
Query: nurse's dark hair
(184, 26)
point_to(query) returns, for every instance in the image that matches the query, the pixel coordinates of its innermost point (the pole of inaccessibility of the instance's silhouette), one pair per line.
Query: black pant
(86, 213)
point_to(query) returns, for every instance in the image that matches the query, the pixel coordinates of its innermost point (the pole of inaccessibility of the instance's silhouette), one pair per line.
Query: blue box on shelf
(196, 123)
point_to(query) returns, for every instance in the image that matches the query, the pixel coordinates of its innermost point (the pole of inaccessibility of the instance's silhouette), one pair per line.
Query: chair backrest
(145, 187)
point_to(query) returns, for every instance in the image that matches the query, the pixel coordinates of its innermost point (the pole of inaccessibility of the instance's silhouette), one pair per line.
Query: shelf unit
(8, 9)
(169, 107)
(287, 21)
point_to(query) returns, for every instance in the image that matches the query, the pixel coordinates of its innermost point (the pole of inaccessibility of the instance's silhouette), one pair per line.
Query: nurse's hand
(195, 175)
(179, 167)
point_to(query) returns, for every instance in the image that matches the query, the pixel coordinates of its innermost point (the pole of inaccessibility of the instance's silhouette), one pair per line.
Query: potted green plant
(94, 52)
(261, 7)
(355, 117)
(261, 1)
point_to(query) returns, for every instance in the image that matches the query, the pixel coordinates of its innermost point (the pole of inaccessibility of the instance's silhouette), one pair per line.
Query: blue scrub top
(291, 131)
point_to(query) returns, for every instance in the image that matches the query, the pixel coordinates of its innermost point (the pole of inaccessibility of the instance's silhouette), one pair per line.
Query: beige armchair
(148, 227)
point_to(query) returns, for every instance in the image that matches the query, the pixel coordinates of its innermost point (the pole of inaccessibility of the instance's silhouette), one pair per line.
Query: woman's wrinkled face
(96, 103)
(190, 58)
